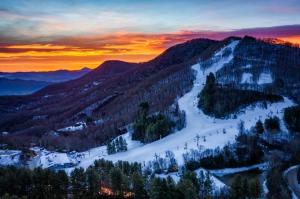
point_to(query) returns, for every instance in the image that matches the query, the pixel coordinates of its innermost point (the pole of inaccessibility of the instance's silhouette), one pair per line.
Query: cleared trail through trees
(291, 177)
(198, 124)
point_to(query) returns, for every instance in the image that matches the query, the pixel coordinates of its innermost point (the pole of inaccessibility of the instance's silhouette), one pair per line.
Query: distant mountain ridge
(24, 83)
(48, 76)
(20, 87)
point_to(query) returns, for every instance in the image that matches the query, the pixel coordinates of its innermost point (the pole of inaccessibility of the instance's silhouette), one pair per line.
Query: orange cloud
(291, 39)
(86, 51)
(75, 52)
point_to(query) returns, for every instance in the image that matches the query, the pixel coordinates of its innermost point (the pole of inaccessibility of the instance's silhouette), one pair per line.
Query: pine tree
(116, 181)
(187, 188)
(208, 186)
(241, 127)
(78, 182)
(236, 188)
(109, 148)
(259, 128)
(201, 180)
(255, 189)
(60, 185)
(113, 147)
(156, 189)
(138, 186)
(245, 187)
(93, 182)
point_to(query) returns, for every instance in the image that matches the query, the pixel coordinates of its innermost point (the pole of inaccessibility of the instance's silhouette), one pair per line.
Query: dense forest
(150, 128)
(220, 101)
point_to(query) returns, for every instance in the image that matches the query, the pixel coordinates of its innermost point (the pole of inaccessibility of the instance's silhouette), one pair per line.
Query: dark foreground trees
(37, 183)
(292, 118)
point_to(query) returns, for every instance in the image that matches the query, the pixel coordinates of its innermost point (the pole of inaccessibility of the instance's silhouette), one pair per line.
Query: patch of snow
(265, 188)
(77, 127)
(265, 78)
(4, 133)
(217, 184)
(9, 157)
(48, 159)
(95, 83)
(247, 78)
(227, 171)
(248, 66)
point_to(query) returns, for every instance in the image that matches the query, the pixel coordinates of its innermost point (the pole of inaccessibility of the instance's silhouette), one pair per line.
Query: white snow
(247, 66)
(227, 171)
(265, 78)
(95, 83)
(217, 184)
(77, 127)
(46, 159)
(9, 157)
(247, 78)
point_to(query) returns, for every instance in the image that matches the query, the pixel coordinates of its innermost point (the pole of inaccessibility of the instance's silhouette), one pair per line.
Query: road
(291, 177)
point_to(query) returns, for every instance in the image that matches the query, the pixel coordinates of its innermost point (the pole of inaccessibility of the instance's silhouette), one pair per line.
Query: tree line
(220, 101)
(150, 128)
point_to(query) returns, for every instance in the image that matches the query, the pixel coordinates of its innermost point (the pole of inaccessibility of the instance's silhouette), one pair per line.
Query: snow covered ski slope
(197, 123)
(208, 129)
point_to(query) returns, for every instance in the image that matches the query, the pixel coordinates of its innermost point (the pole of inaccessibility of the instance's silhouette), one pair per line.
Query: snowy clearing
(265, 78)
(77, 127)
(217, 184)
(227, 171)
(247, 78)
(9, 157)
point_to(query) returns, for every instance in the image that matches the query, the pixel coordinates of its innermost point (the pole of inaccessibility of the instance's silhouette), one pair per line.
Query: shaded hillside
(107, 96)
(50, 76)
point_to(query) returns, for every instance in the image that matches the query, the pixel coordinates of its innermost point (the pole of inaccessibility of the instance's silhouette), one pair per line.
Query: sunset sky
(43, 35)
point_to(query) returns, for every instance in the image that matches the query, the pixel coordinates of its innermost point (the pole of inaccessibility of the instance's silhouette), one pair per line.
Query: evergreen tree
(208, 187)
(93, 182)
(109, 148)
(116, 181)
(78, 183)
(60, 183)
(292, 118)
(272, 124)
(187, 188)
(206, 101)
(192, 176)
(236, 188)
(259, 128)
(138, 186)
(113, 147)
(245, 187)
(255, 189)
(144, 108)
(156, 189)
(298, 175)
(241, 127)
